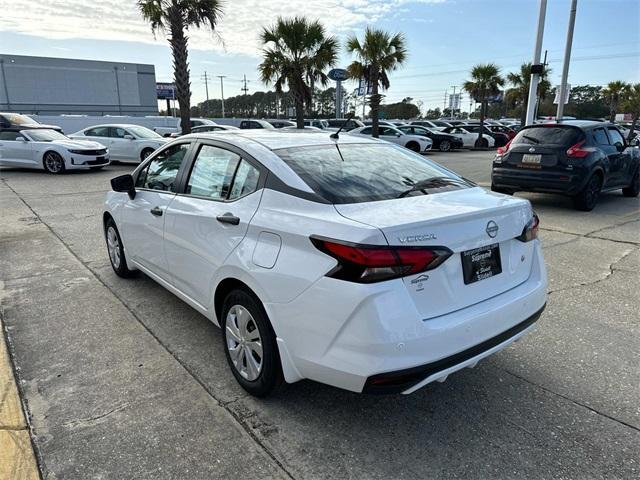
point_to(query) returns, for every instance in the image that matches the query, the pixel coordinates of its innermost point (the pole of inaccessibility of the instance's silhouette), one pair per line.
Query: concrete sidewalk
(105, 399)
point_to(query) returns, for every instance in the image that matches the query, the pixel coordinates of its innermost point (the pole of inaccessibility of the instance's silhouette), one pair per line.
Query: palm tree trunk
(633, 128)
(612, 112)
(374, 102)
(483, 109)
(299, 111)
(178, 43)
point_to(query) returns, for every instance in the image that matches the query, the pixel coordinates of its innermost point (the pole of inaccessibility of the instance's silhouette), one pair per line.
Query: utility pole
(206, 88)
(453, 101)
(536, 68)
(222, 91)
(444, 102)
(244, 89)
(567, 59)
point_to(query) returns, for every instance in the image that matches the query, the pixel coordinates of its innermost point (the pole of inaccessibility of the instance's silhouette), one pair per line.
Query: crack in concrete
(240, 420)
(94, 419)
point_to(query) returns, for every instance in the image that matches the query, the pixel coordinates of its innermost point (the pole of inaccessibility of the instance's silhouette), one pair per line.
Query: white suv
(349, 261)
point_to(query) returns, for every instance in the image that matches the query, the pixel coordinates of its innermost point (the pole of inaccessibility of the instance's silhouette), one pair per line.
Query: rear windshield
(548, 136)
(368, 172)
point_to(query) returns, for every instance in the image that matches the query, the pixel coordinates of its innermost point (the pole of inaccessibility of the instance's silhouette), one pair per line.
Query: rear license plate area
(534, 159)
(481, 263)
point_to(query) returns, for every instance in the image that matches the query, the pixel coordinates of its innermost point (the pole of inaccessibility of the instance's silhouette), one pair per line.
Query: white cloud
(239, 27)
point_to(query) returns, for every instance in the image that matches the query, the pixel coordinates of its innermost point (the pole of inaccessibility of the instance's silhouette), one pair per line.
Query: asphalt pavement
(123, 380)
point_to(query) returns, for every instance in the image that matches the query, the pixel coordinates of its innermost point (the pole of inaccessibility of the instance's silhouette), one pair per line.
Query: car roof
(575, 123)
(115, 125)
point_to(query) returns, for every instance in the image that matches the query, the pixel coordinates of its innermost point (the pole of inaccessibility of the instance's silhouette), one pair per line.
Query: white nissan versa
(349, 261)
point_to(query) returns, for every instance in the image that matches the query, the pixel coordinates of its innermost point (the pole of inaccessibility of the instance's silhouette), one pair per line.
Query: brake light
(505, 149)
(577, 151)
(530, 231)
(374, 263)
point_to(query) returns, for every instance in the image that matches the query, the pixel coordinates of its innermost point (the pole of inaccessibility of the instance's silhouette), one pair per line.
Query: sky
(445, 38)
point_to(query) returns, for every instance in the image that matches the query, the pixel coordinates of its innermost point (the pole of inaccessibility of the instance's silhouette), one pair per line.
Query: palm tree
(174, 17)
(631, 104)
(377, 55)
(296, 53)
(485, 82)
(521, 82)
(613, 94)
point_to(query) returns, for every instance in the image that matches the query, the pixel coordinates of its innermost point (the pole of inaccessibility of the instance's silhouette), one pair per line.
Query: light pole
(567, 59)
(536, 68)
(452, 101)
(222, 91)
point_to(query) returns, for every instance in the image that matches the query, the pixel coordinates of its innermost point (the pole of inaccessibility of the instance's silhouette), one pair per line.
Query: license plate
(481, 263)
(528, 158)
(99, 159)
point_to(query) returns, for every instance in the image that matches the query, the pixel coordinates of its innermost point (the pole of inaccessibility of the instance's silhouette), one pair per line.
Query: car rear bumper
(348, 335)
(543, 180)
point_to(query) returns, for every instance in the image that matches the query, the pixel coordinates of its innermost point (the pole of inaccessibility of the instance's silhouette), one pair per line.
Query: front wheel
(413, 146)
(53, 163)
(634, 188)
(445, 146)
(145, 153)
(587, 199)
(116, 250)
(250, 344)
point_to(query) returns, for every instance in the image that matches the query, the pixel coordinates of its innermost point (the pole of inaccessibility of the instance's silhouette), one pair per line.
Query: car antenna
(336, 135)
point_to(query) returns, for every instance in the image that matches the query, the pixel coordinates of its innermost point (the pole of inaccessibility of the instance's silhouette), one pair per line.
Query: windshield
(548, 136)
(17, 119)
(143, 132)
(367, 172)
(44, 135)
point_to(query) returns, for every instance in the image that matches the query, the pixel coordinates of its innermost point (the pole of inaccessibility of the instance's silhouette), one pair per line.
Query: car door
(210, 218)
(16, 150)
(620, 158)
(122, 148)
(98, 134)
(389, 135)
(143, 217)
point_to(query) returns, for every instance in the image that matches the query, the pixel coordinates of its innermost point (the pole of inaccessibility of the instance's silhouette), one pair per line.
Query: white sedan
(469, 138)
(50, 150)
(126, 142)
(393, 135)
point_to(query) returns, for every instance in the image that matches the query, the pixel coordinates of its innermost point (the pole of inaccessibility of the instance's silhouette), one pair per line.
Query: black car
(17, 121)
(442, 141)
(575, 158)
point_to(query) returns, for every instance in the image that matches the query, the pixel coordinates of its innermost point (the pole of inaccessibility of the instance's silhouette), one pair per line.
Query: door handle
(157, 211)
(229, 218)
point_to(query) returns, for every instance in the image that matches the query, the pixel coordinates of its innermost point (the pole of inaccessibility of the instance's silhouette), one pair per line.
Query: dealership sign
(165, 91)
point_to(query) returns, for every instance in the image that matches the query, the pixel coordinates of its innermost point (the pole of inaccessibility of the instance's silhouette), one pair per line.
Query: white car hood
(79, 144)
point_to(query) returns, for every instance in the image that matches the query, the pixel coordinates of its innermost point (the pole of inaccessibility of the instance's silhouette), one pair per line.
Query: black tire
(587, 199)
(504, 191)
(445, 146)
(270, 375)
(53, 163)
(120, 265)
(413, 146)
(145, 153)
(482, 143)
(634, 189)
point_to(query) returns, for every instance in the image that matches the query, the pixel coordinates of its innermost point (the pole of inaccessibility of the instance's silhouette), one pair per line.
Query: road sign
(454, 101)
(165, 91)
(566, 94)
(363, 87)
(338, 74)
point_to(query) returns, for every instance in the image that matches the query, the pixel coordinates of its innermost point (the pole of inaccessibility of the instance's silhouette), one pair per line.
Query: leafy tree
(377, 55)
(401, 110)
(521, 81)
(175, 17)
(631, 104)
(296, 53)
(613, 94)
(433, 114)
(485, 83)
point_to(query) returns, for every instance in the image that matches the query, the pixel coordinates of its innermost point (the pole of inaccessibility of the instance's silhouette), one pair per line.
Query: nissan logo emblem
(531, 150)
(492, 229)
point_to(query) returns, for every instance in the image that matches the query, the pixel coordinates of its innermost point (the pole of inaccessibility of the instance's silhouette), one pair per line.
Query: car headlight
(79, 152)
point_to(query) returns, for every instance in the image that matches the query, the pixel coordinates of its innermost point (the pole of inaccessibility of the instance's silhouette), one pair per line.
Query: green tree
(377, 55)
(521, 81)
(175, 17)
(296, 53)
(402, 110)
(485, 83)
(433, 114)
(613, 94)
(631, 104)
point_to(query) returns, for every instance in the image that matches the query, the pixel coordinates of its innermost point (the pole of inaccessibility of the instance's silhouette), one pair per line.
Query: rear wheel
(587, 199)
(53, 163)
(413, 146)
(250, 344)
(482, 143)
(116, 250)
(145, 153)
(634, 188)
(445, 146)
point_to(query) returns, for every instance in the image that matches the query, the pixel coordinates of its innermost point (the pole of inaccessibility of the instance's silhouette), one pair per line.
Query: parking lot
(123, 380)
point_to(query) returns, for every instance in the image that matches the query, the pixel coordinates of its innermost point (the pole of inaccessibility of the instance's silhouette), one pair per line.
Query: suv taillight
(505, 149)
(374, 263)
(530, 231)
(577, 150)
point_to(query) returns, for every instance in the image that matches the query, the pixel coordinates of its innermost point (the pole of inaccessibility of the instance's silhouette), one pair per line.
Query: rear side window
(600, 136)
(365, 173)
(548, 136)
(212, 173)
(616, 136)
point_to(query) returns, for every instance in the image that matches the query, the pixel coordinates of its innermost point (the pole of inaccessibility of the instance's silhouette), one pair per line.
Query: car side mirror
(124, 183)
(619, 146)
(128, 137)
(21, 139)
(398, 134)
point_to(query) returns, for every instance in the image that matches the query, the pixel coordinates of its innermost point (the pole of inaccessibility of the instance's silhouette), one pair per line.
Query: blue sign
(165, 91)
(338, 74)
(364, 88)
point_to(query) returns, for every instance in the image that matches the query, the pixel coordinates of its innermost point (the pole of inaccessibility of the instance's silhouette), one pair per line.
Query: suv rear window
(368, 172)
(548, 136)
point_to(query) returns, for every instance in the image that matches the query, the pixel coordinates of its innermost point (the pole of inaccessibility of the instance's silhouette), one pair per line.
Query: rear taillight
(530, 231)
(374, 263)
(505, 149)
(578, 151)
